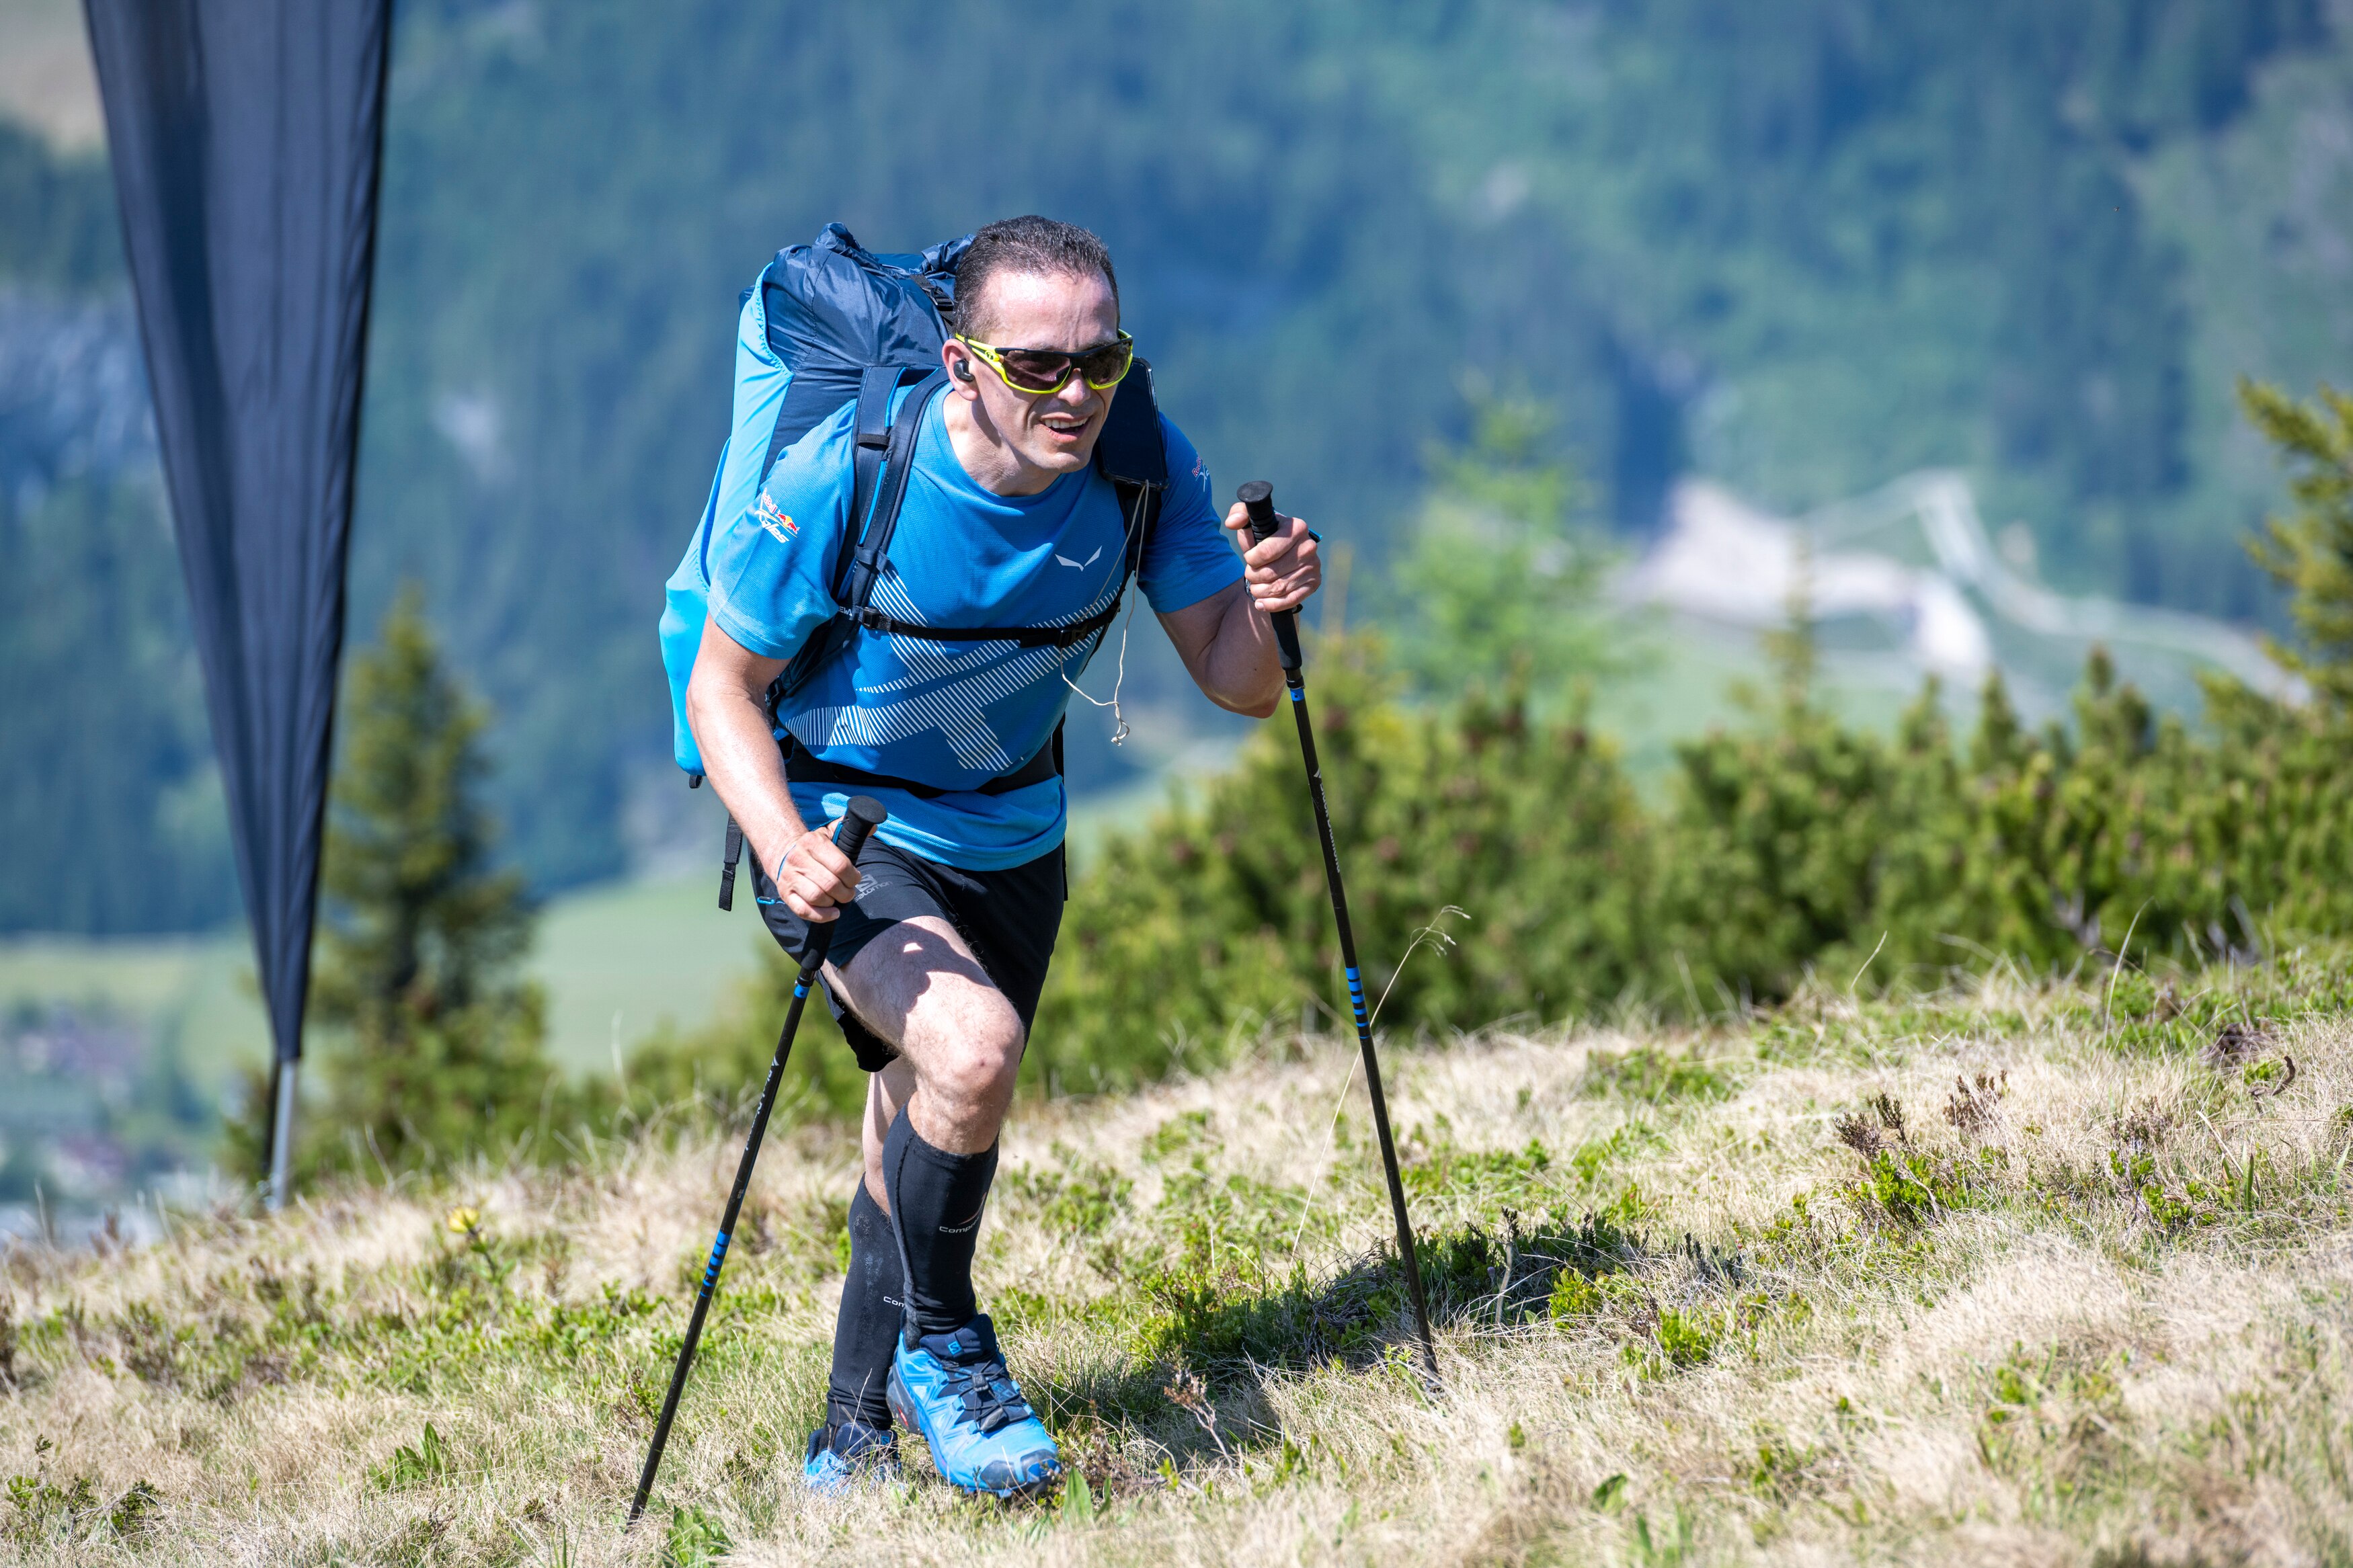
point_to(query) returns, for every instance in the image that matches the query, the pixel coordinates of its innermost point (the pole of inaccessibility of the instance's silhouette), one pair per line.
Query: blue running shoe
(840, 1456)
(954, 1390)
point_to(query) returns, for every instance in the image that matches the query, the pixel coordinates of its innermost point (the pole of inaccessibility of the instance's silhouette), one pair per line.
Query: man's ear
(957, 359)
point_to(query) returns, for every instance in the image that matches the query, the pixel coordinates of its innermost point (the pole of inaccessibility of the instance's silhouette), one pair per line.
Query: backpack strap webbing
(873, 430)
(727, 867)
(800, 767)
(891, 443)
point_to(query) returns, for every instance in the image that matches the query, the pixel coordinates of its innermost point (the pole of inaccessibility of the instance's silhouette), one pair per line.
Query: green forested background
(1801, 248)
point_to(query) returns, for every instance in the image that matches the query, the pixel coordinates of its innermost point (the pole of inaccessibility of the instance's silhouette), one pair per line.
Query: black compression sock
(868, 1324)
(936, 1197)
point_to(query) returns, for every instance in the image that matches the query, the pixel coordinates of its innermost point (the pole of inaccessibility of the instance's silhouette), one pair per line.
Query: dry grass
(1982, 1277)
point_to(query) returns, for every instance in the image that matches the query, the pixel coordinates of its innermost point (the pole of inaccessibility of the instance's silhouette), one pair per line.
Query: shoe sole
(894, 1393)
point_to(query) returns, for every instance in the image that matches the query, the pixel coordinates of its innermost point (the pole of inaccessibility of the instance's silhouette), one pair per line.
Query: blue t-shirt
(952, 715)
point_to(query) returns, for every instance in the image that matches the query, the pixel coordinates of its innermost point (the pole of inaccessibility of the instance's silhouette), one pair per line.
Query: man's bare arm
(726, 707)
(1225, 641)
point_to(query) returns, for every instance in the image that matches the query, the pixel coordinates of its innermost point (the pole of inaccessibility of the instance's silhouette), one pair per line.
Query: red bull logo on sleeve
(784, 529)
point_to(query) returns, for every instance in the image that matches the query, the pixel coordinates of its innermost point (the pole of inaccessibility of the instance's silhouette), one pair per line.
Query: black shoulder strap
(876, 384)
(1134, 457)
(1134, 500)
(884, 454)
(890, 445)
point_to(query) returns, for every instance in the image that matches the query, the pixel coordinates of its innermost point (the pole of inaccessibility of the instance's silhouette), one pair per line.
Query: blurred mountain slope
(1802, 249)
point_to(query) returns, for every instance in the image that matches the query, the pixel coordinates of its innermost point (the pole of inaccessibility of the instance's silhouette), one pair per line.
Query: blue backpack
(824, 323)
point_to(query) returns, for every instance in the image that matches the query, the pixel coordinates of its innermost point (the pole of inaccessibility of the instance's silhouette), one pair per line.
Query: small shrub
(1879, 1126)
(1688, 1338)
(2063, 1396)
(2270, 1079)
(1909, 1188)
(45, 1508)
(1175, 1136)
(1784, 1470)
(42, 1510)
(1974, 1108)
(1579, 1297)
(2185, 1205)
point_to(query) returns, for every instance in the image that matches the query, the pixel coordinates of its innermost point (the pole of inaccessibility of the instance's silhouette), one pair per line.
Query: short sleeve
(1188, 557)
(772, 568)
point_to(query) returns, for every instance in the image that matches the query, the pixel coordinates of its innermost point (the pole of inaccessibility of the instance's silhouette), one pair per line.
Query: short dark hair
(1031, 244)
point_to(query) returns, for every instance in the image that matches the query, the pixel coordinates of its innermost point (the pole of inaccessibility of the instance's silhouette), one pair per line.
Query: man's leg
(872, 1299)
(873, 1296)
(856, 1434)
(933, 1115)
(959, 1041)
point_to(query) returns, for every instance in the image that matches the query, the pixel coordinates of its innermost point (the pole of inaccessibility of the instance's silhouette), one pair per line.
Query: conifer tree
(2310, 551)
(1499, 587)
(435, 1043)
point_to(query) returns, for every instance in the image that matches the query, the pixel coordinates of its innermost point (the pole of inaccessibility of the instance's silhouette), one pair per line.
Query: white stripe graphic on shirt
(974, 675)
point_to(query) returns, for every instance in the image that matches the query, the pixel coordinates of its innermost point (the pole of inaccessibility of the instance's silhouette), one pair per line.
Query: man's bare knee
(975, 1052)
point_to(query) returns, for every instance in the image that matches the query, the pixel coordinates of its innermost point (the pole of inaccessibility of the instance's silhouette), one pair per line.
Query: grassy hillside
(2035, 1274)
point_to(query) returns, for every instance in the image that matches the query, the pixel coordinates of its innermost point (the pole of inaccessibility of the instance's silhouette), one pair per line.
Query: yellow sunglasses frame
(987, 355)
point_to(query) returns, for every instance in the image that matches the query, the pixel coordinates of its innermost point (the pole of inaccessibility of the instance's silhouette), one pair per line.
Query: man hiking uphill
(1007, 525)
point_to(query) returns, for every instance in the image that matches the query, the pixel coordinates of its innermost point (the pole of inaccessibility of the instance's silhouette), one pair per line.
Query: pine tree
(1499, 585)
(436, 1043)
(2310, 551)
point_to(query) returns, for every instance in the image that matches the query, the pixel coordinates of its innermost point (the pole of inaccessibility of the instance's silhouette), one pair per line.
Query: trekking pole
(1258, 499)
(861, 817)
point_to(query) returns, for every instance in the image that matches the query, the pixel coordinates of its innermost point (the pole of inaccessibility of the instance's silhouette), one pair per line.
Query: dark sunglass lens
(1105, 364)
(1035, 372)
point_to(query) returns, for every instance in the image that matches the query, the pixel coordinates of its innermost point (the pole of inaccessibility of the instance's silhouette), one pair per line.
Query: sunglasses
(1039, 372)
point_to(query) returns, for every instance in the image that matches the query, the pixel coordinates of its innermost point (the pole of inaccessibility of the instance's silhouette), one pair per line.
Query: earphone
(964, 368)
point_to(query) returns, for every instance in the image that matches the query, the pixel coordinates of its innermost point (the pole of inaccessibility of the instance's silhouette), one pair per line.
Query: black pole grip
(861, 817)
(1258, 499)
(1257, 496)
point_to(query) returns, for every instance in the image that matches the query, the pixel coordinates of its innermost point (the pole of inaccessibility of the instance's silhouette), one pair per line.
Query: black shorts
(1009, 918)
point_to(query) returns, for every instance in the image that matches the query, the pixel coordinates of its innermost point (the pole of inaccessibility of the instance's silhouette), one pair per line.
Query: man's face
(1054, 433)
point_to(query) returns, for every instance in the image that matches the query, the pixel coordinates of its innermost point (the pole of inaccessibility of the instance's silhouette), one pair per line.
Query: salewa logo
(1062, 560)
(784, 529)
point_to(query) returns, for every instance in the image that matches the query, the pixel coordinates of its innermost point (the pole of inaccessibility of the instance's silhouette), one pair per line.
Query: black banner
(245, 136)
